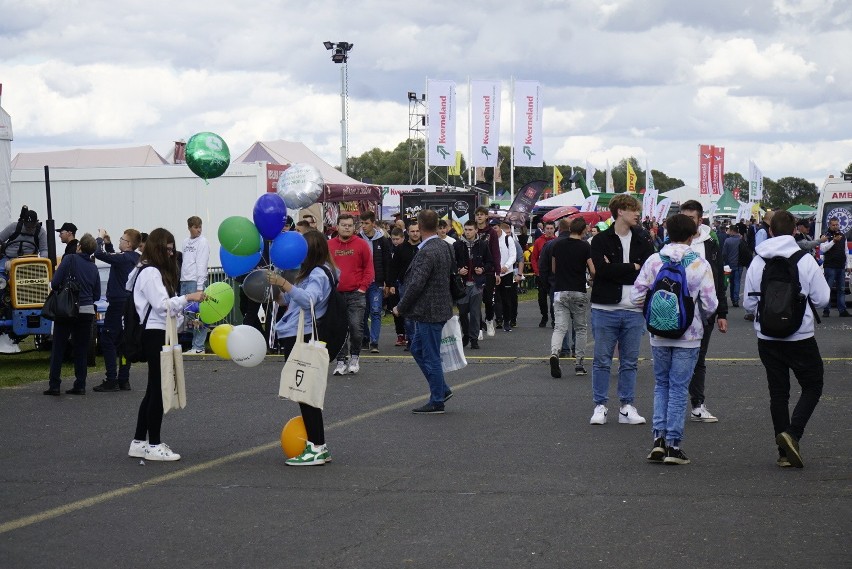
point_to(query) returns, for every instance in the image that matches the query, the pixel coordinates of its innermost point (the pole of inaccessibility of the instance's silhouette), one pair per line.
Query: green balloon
(207, 155)
(239, 236)
(218, 303)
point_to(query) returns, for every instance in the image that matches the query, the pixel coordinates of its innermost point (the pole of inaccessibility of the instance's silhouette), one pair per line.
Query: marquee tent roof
(574, 197)
(338, 186)
(89, 158)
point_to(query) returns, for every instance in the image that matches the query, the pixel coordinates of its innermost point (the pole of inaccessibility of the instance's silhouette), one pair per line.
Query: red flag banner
(718, 170)
(705, 158)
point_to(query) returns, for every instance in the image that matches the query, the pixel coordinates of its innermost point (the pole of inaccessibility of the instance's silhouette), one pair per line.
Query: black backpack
(744, 253)
(782, 305)
(333, 326)
(130, 344)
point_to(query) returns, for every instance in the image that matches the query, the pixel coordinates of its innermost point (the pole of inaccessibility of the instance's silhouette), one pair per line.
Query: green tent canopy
(801, 209)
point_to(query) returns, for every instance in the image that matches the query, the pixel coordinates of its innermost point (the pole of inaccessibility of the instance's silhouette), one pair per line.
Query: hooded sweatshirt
(702, 289)
(814, 285)
(381, 249)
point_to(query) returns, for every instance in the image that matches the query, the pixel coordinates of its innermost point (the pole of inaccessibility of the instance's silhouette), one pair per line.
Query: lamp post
(340, 54)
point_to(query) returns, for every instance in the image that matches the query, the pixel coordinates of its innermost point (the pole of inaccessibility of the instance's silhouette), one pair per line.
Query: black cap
(68, 226)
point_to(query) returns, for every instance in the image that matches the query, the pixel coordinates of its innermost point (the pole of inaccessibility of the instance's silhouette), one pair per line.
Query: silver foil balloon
(300, 186)
(256, 287)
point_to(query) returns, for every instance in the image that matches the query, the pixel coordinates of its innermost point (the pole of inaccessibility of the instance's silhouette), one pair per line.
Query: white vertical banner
(755, 182)
(610, 185)
(649, 178)
(484, 122)
(744, 212)
(590, 178)
(590, 203)
(441, 98)
(662, 209)
(649, 203)
(527, 144)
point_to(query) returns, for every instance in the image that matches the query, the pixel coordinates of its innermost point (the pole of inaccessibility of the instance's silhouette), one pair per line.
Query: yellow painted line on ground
(78, 505)
(544, 358)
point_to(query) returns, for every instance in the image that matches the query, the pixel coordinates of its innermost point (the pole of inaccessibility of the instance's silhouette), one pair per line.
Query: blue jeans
(426, 349)
(735, 277)
(199, 335)
(373, 312)
(109, 342)
(835, 280)
(673, 369)
(611, 327)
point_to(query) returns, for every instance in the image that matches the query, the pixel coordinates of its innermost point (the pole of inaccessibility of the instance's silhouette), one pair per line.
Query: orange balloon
(294, 437)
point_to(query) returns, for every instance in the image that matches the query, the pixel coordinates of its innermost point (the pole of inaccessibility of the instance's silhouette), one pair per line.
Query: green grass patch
(32, 365)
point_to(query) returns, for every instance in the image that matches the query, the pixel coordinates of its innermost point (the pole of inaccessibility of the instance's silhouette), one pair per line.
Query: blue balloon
(270, 214)
(288, 250)
(236, 265)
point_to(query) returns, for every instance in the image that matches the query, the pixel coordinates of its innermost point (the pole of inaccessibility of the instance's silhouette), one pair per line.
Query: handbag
(172, 382)
(64, 303)
(452, 352)
(305, 374)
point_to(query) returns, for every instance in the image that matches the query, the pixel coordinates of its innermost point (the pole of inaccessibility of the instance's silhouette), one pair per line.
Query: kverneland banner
(441, 98)
(528, 144)
(484, 122)
(705, 162)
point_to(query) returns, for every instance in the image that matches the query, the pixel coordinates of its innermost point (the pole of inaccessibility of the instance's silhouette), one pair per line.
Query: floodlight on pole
(340, 54)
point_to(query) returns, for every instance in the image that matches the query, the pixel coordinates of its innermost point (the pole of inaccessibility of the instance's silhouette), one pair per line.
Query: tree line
(393, 167)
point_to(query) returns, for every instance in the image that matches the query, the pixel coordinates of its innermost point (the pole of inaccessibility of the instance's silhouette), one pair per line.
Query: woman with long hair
(153, 295)
(311, 285)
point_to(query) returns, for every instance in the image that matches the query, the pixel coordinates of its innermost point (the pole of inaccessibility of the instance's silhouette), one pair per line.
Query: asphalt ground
(512, 475)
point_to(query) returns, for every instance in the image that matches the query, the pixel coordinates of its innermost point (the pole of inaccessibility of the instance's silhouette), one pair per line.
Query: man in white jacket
(193, 273)
(799, 351)
(507, 290)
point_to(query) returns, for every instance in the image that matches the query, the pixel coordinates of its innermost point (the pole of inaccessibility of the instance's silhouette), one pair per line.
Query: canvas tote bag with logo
(305, 374)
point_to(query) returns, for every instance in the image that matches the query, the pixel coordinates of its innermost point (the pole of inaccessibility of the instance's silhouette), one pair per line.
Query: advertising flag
(610, 186)
(631, 178)
(557, 181)
(662, 209)
(484, 122)
(528, 145)
(441, 99)
(525, 202)
(718, 170)
(705, 157)
(649, 178)
(590, 203)
(590, 178)
(649, 202)
(755, 182)
(455, 169)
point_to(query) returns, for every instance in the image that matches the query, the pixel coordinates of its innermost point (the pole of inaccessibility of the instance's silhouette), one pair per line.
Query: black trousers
(506, 294)
(310, 415)
(804, 359)
(80, 328)
(696, 385)
(488, 299)
(150, 417)
(544, 298)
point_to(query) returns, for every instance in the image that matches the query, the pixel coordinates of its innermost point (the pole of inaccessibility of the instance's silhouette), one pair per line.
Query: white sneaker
(480, 334)
(161, 452)
(700, 414)
(490, 327)
(599, 416)
(630, 416)
(354, 364)
(341, 368)
(137, 449)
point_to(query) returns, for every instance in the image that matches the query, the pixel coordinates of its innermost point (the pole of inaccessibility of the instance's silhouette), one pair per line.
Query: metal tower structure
(416, 138)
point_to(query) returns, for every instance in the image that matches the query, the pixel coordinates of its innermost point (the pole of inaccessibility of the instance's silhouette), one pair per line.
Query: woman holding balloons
(153, 295)
(310, 286)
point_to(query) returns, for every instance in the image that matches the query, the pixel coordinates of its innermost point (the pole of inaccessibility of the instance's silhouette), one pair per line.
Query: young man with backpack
(677, 288)
(784, 287)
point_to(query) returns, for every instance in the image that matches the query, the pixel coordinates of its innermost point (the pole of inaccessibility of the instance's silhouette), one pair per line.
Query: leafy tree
(735, 180)
(797, 190)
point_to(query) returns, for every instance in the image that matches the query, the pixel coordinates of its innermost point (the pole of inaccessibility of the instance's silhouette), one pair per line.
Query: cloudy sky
(767, 79)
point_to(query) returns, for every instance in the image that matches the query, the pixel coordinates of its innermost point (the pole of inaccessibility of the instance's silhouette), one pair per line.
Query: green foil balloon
(207, 155)
(239, 236)
(218, 303)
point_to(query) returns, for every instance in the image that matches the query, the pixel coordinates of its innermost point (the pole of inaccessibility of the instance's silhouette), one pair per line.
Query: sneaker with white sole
(599, 416)
(324, 454)
(490, 327)
(311, 456)
(354, 364)
(161, 452)
(480, 335)
(675, 455)
(658, 451)
(137, 449)
(628, 415)
(341, 368)
(700, 414)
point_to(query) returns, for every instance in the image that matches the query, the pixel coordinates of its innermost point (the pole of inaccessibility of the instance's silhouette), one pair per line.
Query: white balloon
(300, 186)
(246, 345)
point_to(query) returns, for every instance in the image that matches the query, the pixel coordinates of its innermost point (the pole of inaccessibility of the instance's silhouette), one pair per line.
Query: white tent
(5, 168)
(684, 193)
(286, 152)
(89, 158)
(574, 197)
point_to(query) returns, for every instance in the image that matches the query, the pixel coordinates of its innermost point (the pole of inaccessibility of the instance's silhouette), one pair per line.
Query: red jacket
(355, 261)
(537, 247)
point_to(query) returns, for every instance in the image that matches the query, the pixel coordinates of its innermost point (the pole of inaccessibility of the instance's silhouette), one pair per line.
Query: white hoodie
(814, 285)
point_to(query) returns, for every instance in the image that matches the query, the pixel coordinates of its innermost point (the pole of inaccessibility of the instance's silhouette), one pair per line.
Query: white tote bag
(452, 351)
(172, 381)
(305, 374)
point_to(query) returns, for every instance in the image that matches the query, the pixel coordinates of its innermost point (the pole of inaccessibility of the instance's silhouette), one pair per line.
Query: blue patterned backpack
(669, 308)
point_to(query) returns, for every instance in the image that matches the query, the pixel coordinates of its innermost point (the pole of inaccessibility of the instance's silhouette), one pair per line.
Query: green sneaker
(311, 456)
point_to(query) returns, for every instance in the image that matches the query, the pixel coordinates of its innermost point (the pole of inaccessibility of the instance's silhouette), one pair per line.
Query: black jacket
(545, 275)
(481, 254)
(381, 248)
(611, 272)
(401, 258)
(714, 256)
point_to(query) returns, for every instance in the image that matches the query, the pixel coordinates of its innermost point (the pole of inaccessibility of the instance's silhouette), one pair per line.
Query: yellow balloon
(294, 437)
(219, 340)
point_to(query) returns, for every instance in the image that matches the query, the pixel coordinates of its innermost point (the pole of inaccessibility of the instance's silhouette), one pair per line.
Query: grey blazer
(427, 284)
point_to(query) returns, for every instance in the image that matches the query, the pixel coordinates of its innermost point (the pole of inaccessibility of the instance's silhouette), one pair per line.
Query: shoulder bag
(305, 374)
(64, 303)
(172, 382)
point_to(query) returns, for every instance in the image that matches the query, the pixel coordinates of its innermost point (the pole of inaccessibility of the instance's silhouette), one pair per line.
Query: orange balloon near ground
(294, 437)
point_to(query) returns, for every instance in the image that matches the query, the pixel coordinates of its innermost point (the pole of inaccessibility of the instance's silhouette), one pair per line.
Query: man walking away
(731, 259)
(798, 351)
